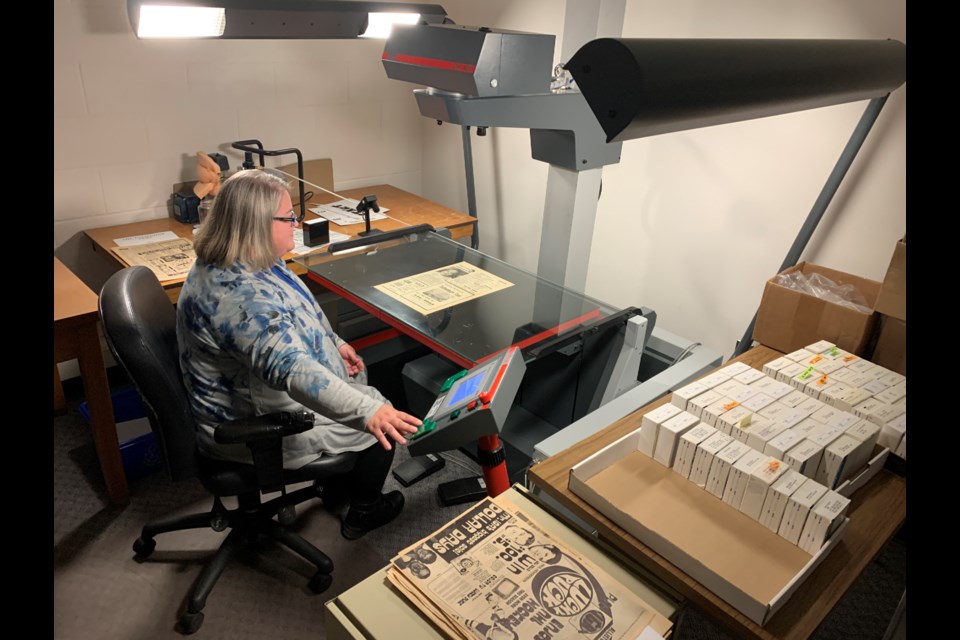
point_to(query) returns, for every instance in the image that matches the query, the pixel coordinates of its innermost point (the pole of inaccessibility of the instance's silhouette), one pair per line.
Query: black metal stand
(363, 208)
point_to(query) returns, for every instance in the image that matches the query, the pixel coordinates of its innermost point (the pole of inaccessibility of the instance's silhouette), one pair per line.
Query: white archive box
(687, 447)
(650, 424)
(668, 436)
(711, 542)
(721, 465)
(705, 455)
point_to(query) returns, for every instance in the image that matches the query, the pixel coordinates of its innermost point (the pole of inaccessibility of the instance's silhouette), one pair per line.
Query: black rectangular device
(185, 206)
(462, 491)
(417, 468)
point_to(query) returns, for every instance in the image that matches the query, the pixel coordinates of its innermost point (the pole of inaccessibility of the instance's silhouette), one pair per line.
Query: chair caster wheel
(190, 622)
(218, 523)
(320, 582)
(143, 547)
(287, 515)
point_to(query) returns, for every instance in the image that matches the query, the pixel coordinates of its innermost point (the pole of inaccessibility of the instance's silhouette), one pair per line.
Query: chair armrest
(277, 424)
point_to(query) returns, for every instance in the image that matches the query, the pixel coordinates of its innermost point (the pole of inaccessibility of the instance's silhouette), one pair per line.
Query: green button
(453, 416)
(449, 381)
(425, 428)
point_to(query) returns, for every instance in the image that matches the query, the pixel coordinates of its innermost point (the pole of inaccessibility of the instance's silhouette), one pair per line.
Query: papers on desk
(147, 238)
(344, 212)
(444, 287)
(496, 572)
(168, 259)
(302, 249)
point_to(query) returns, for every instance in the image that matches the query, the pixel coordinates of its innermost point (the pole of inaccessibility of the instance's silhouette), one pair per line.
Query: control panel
(472, 403)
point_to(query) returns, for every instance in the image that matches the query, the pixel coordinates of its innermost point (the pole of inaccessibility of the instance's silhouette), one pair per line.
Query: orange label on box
(731, 405)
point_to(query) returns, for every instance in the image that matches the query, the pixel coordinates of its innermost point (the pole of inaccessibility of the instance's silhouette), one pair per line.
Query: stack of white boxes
(776, 443)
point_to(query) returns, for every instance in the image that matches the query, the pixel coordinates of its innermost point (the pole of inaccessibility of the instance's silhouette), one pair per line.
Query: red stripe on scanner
(435, 63)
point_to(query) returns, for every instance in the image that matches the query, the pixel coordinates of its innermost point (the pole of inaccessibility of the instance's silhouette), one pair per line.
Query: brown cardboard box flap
(892, 300)
(789, 319)
(891, 349)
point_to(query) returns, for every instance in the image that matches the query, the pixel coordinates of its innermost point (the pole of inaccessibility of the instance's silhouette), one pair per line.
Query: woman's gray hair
(240, 225)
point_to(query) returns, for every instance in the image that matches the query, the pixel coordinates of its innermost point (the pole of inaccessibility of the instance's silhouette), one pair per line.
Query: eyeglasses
(291, 218)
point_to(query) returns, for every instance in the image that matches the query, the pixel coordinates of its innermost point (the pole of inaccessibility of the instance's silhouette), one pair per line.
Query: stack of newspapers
(493, 572)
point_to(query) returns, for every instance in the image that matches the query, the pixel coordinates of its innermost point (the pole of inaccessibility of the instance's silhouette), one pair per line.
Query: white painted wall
(690, 224)
(693, 223)
(129, 115)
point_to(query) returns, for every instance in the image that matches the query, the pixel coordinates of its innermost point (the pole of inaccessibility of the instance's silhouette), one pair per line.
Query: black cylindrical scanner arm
(645, 87)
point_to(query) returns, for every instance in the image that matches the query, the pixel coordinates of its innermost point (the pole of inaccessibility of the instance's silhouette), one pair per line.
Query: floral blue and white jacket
(252, 342)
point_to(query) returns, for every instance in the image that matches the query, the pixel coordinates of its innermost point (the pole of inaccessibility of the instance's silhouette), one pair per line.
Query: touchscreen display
(468, 388)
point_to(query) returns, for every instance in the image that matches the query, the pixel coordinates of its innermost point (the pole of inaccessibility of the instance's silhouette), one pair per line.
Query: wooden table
(876, 511)
(405, 209)
(75, 335)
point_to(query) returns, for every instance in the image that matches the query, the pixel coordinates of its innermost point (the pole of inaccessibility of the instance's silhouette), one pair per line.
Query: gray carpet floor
(100, 590)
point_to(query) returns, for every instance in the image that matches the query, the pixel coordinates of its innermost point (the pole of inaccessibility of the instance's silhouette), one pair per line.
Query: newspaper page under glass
(444, 287)
(493, 572)
(168, 259)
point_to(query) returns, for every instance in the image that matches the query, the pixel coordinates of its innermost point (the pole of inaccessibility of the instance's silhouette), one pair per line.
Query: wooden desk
(405, 209)
(75, 318)
(876, 511)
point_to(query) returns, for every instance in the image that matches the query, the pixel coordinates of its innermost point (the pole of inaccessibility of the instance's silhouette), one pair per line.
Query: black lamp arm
(244, 145)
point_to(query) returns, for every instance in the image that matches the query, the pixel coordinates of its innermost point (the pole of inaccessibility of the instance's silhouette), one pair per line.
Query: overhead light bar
(645, 87)
(276, 19)
(171, 21)
(380, 25)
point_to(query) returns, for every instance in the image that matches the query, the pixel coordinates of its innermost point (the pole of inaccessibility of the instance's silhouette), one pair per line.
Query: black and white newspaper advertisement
(494, 573)
(444, 287)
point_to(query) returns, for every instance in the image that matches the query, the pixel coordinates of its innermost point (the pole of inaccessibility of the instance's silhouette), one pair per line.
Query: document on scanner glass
(444, 287)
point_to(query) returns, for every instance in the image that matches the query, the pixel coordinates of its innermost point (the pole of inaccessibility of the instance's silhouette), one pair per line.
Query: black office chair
(139, 322)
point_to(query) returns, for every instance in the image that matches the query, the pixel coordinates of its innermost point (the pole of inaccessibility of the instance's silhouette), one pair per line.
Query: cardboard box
(788, 320)
(771, 368)
(735, 418)
(759, 482)
(706, 454)
(776, 501)
(892, 299)
(824, 516)
(902, 447)
(681, 396)
(720, 467)
(891, 348)
(687, 448)
(739, 475)
(867, 473)
(798, 508)
(805, 458)
(702, 536)
(668, 436)
(893, 395)
(650, 425)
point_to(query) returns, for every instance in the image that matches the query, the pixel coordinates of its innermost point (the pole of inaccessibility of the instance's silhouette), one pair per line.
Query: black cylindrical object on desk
(645, 87)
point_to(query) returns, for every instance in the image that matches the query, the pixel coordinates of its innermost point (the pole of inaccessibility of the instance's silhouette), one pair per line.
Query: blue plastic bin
(140, 454)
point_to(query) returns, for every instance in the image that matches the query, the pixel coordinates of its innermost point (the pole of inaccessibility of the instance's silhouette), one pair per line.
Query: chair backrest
(140, 325)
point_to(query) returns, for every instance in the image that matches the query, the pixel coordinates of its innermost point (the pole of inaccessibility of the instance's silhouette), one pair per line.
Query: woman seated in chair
(253, 340)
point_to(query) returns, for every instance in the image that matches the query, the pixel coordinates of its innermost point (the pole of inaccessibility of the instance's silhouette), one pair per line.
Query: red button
(485, 397)
(472, 406)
